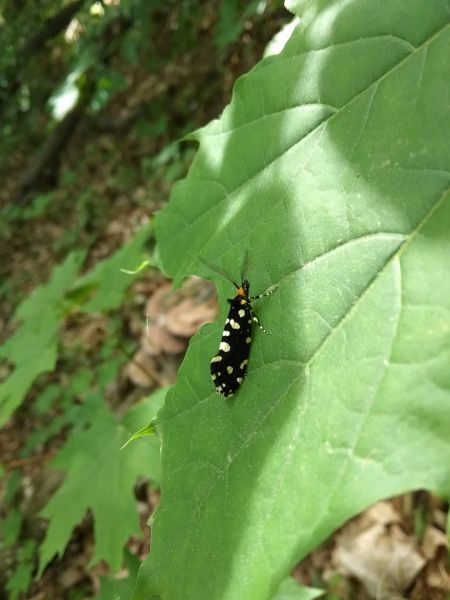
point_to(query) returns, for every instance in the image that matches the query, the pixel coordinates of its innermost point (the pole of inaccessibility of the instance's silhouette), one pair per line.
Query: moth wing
(229, 366)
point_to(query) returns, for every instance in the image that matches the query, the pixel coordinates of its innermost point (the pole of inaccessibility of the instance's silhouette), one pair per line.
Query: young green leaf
(149, 429)
(144, 264)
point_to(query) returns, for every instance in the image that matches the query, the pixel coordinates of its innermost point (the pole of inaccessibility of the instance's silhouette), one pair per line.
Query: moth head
(243, 289)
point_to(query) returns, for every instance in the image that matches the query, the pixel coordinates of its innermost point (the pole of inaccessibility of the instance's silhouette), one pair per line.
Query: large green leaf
(332, 165)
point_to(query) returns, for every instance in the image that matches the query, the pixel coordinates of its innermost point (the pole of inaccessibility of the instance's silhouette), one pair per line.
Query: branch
(46, 166)
(51, 28)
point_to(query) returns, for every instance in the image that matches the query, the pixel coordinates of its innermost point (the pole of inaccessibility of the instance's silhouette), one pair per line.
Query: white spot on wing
(217, 358)
(229, 369)
(241, 313)
(234, 324)
(225, 346)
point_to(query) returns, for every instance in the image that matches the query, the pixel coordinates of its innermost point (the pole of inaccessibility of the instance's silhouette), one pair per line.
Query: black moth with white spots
(229, 366)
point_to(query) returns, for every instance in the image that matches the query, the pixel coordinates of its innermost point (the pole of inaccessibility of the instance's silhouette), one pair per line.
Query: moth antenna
(245, 265)
(218, 270)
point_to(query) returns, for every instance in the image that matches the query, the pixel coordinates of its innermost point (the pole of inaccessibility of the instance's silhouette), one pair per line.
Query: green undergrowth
(33, 348)
(97, 476)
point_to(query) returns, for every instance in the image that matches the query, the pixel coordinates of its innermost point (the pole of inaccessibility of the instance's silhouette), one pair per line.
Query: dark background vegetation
(146, 73)
(93, 98)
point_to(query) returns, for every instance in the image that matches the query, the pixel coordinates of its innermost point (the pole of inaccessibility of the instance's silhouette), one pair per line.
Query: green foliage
(89, 56)
(37, 208)
(120, 589)
(231, 20)
(62, 401)
(110, 83)
(87, 213)
(10, 527)
(32, 349)
(291, 590)
(100, 478)
(92, 452)
(21, 578)
(143, 265)
(104, 287)
(331, 165)
(149, 429)
(169, 164)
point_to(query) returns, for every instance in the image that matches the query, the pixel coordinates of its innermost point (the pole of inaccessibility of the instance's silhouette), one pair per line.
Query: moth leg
(269, 291)
(256, 320)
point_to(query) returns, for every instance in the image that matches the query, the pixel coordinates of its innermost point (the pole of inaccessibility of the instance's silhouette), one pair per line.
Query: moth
(229, 366)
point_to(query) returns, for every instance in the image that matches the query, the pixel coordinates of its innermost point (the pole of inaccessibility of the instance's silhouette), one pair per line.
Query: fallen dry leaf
(188, 316)
(158, 339)
(173, 316)
(384, 559)
(433, 541)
